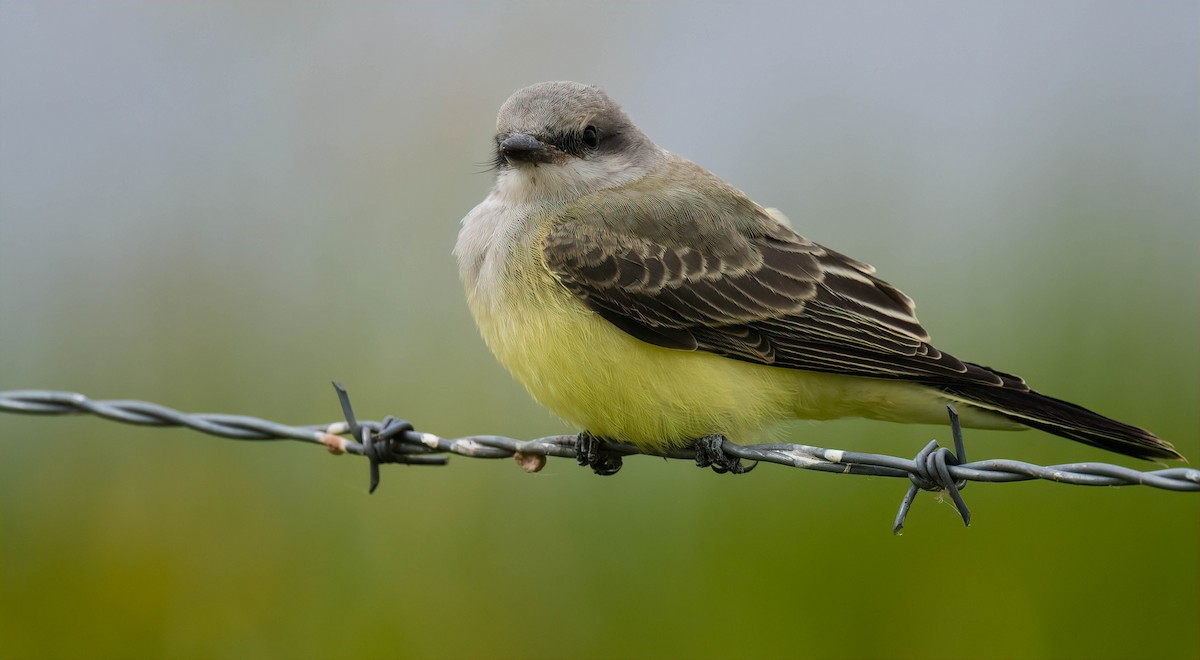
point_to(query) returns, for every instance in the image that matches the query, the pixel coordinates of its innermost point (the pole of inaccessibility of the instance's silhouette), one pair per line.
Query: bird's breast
(591, 373)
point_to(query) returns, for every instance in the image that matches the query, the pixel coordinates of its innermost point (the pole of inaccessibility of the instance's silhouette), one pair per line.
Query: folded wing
(702, 267)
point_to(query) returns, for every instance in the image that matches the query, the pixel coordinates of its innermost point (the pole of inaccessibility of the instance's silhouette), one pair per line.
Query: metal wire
(395, 441)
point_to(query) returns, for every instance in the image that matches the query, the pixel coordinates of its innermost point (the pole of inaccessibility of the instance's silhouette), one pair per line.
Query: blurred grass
(221, 211)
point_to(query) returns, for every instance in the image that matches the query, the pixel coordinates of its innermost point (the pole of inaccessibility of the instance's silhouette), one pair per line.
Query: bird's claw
(710, 453)
(591, 451)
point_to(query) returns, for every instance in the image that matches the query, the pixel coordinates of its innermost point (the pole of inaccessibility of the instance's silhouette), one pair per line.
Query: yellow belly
(592, 374)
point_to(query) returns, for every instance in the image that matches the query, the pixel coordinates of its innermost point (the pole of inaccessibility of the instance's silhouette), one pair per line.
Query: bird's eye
(591, 137)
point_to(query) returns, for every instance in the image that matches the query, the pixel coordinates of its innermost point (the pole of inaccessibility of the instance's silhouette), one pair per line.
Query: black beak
(524, 147)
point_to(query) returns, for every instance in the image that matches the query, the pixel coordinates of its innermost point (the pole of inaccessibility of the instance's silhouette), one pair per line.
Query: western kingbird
(641, 297)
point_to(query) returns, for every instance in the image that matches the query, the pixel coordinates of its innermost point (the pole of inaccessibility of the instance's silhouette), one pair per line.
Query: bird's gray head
(561, 140)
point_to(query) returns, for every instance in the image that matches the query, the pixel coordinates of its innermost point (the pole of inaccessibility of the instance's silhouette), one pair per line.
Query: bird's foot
(710, 453)
(591, 451)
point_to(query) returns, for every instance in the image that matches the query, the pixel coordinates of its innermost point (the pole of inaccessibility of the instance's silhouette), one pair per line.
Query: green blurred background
(221, 207)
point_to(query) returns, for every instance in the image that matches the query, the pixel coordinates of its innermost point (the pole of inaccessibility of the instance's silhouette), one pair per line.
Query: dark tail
(1065, 419)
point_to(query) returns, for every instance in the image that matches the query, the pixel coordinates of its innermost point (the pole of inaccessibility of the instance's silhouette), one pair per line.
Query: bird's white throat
(554, 184)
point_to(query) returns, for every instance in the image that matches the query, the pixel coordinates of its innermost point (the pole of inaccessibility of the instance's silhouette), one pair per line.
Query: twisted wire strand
(395, 441)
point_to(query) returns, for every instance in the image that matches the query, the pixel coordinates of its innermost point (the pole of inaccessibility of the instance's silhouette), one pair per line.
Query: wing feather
(704, 268)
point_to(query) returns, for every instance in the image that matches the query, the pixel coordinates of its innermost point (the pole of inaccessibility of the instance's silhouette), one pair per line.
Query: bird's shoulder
(678, 204)
(682, 227)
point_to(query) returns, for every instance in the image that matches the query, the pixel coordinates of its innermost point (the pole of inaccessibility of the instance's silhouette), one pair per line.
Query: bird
(647, 301)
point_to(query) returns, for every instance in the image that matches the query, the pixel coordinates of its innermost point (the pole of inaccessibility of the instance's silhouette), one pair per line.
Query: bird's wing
(702, 267)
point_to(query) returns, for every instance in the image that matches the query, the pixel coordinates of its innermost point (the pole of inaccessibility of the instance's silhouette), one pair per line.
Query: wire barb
(396, 441)
(933, 474)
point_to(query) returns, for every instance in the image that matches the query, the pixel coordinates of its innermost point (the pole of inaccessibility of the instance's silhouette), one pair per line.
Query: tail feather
(1065, 419)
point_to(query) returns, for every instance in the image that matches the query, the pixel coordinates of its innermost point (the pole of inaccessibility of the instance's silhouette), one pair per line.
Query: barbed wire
(393, 440)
